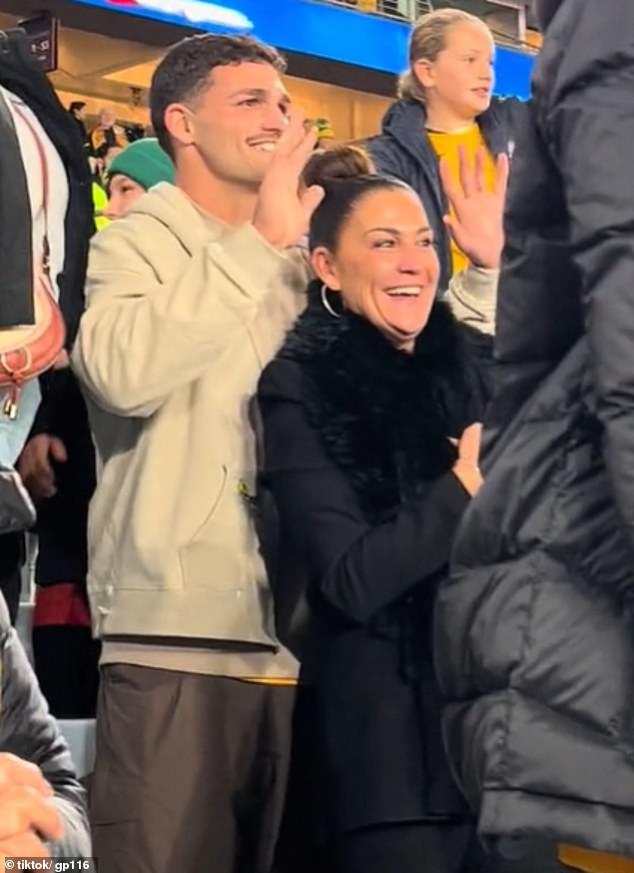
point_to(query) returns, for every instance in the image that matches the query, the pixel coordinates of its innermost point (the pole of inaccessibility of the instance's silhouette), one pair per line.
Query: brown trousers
(191, 772)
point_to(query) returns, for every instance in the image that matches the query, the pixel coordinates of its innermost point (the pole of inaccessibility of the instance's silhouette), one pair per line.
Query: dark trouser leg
(66, 665)
(11, 587)
(191, 772)
(406, 848)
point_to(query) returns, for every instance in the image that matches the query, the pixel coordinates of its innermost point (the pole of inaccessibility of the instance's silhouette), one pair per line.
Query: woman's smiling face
(385, 265)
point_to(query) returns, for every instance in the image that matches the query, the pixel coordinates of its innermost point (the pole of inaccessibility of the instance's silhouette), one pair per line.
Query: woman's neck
(444, 119)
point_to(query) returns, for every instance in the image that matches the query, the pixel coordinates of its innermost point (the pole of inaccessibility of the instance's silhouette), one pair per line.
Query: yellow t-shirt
(446, 145)
(594, 862)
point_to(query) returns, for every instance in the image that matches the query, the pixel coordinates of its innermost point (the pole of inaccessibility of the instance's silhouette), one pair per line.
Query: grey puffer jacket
(28, 731)
(535, 629)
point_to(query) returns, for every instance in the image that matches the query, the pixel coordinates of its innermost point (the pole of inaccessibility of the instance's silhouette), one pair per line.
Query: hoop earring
(327, 304)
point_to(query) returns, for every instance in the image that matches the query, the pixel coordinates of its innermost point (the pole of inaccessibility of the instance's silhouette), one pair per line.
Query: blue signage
(313, 28)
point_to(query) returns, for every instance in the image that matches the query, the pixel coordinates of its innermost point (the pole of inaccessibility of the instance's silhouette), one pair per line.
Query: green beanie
(145, 162)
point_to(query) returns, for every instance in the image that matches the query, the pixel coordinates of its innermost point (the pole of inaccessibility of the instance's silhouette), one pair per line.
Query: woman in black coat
(371, 440)
(535, 642)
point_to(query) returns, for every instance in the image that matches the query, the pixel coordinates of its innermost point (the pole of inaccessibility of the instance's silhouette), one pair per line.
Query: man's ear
(180, 123)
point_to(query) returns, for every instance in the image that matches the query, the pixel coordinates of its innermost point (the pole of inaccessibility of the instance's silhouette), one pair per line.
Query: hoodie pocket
(216, 556)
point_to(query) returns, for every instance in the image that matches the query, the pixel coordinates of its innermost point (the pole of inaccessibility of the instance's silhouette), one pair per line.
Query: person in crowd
(42, 805)
(100, 204)
(30, 109)
(446, 111)
(189, 296)
(77, 110)
(107, 134)
(139, 167)
(325, 133)
(370, 418)
(58, 469)
(534, 630)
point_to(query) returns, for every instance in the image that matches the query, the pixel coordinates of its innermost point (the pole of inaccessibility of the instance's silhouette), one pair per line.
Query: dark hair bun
(343, 162)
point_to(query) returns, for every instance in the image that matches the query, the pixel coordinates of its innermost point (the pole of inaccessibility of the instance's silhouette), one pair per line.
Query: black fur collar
(385, 416)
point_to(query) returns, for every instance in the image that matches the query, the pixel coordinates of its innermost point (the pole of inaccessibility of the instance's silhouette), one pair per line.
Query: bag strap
(46, 248)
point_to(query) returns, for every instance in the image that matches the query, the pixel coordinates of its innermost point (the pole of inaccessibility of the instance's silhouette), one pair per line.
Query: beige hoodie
(182, 315)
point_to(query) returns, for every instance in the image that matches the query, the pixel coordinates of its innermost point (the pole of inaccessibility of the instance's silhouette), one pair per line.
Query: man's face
(237, 121)
(107, 118)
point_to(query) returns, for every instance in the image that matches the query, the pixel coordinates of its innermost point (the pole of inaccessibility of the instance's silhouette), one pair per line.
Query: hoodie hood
(173, 208)
(195, 229)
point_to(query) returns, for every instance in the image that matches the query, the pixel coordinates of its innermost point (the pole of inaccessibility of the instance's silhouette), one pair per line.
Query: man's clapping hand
(284, 208)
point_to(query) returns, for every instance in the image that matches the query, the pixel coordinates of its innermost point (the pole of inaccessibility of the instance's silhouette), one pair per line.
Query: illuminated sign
(311, 28)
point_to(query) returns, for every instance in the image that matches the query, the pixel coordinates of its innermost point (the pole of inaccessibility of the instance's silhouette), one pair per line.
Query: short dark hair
(184, 71)
(76, 105)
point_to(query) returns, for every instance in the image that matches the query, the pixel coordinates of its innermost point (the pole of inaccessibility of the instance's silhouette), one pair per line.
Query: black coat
(358, 459)
(21, 75)
(535, 643)
(403, 150)
(62, 519)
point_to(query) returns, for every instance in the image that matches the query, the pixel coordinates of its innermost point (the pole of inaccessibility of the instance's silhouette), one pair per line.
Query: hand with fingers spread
(477, 213)
(283, 209)
(28, 815)
(467, 467)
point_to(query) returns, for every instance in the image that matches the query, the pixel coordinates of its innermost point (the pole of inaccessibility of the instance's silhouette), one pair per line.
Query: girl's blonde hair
(428, 39)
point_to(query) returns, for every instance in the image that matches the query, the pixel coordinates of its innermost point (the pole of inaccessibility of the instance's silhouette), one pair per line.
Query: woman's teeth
(406, 291)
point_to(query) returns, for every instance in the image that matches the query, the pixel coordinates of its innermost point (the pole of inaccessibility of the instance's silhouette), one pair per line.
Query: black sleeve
(28, 731)
(591, 123)
(358, 568)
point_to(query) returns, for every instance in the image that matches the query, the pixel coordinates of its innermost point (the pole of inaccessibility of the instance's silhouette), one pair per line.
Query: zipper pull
(10, 408)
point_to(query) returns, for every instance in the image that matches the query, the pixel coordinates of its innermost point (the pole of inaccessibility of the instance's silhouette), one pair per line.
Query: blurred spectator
(100, 204)
(42, 805)
(30, 108)
(109, 156)
(325, 133)
(134, 171)
(107, 134)
(58, 468)
(77, 112)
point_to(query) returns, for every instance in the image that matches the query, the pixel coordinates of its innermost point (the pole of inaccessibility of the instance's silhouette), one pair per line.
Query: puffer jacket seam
(534, 562)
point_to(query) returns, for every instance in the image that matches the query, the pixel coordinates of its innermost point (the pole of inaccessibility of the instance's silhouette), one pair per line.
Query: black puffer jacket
(535, 645)
(403, 150)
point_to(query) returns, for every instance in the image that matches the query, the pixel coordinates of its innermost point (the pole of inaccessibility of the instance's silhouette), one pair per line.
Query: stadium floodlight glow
(194, 11)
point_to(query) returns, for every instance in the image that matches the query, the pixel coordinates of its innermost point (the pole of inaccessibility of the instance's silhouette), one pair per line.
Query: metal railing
(402, 10)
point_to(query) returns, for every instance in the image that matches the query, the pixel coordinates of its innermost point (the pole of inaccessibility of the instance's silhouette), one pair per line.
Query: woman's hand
(466, 468)
(476, 221)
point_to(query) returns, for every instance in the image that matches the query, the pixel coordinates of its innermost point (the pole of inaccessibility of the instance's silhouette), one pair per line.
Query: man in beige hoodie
(189, 297)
